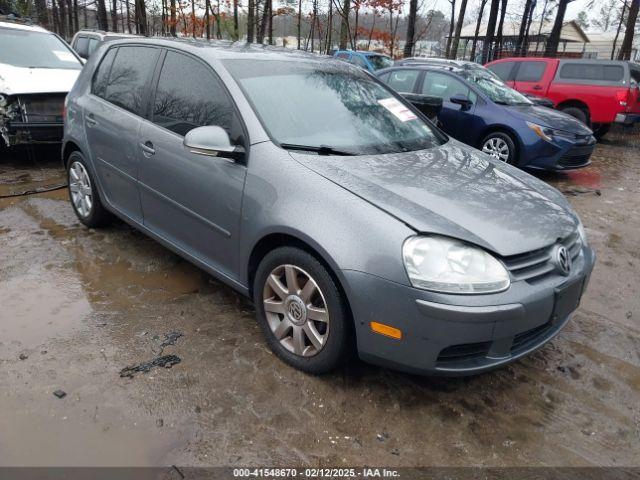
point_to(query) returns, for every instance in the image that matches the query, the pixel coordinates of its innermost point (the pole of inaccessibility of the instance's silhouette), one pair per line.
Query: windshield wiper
(321, 150)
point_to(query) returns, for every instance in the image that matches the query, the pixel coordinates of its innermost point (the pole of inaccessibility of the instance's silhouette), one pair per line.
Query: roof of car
(221, 49)
(20, 25)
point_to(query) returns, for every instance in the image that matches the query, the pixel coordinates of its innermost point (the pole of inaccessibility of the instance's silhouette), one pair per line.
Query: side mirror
(427, 104)
(461, 100)
(212, 141)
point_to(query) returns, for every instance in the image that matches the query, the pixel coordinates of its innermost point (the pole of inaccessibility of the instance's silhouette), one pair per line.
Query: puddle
(36, 308)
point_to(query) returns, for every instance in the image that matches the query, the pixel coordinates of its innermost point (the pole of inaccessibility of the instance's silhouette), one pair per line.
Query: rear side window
(403, 80)
(530, 71)
(129, 77)
(358, 61)
(503, 70)
(592, 72)
(189, 95)
(82, 47)
(101, 77)
(342, 56)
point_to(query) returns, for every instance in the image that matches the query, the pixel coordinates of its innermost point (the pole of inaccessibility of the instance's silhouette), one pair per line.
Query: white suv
(37, 70)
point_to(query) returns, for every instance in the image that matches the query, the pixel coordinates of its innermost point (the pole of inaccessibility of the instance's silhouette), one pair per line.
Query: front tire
(600, 130)
(577, 113)
(500, 146)
(83, 193)
(301, 311)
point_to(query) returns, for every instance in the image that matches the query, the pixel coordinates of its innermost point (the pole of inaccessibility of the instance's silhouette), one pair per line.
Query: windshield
(380, 61)
(21, 48)
(326, 107)
(495, 89)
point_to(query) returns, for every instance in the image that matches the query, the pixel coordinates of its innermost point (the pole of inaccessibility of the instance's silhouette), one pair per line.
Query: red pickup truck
(597, 92)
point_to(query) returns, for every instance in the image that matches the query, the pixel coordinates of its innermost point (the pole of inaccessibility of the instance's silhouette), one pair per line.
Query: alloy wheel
(497, 148)
(296, 310)
(80, 187)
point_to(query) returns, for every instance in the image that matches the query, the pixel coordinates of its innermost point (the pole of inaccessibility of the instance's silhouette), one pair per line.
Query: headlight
(446, 265)
(543, 132)
(582, 233)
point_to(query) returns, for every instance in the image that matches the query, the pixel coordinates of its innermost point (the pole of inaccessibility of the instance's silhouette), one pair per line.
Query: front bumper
(627, 118)
(561, 154)
(462, 335)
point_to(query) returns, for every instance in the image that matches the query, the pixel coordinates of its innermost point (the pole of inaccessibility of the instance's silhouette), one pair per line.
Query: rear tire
(577, 113)
(84, 195)
(307, 325)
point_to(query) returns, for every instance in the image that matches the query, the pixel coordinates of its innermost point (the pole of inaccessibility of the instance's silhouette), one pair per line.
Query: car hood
(456, 191)
(548, 117)
(18, 80)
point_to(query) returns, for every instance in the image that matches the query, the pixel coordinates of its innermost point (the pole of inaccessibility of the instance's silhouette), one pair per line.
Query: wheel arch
(273, 240)
(69, 147)
(573, 102)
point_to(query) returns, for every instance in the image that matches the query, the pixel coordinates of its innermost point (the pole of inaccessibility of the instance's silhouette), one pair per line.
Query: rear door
(112, 116)
(529, 77)
(456, 121)
(403, 81)
(194, 201)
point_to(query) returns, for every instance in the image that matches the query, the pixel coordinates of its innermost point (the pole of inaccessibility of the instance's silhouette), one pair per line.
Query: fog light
(386, 330)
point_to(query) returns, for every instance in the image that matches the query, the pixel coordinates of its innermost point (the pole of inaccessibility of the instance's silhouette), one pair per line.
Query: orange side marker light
(386, 330)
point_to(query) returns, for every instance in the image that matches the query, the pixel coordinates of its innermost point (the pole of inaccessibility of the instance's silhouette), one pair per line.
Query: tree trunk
(451, 23)
(410, 41)
(250, 23)
(114, 15)
(330, 28)
(472, 57)
(503, 11)
(207, 18)
(141, 17)
(41, 13)
(270, 31)
(62, 12)
(344, 25)
(236, 32)
(103, 24)
(456, 38)
(627, 42)
(615, 40)
(491, 27)
(554, 38)
(523, 27)
(172, 19)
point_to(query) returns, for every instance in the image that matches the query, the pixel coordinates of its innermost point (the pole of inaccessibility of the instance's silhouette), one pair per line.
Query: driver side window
(189, 96)
(445, 86)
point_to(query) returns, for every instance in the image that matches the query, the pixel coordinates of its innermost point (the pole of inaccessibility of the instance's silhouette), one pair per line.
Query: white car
(37, 70)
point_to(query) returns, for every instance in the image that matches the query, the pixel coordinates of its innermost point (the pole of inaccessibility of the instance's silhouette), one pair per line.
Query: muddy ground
(77, 305)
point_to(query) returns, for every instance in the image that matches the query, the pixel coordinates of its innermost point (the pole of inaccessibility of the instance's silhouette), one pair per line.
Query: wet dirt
(80, 305)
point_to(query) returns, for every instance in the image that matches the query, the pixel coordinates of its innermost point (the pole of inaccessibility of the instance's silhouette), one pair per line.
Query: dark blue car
(483, 112)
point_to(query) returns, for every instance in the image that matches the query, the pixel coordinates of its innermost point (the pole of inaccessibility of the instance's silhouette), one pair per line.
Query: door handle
(147, 148)
(537, 87)
(91, 122)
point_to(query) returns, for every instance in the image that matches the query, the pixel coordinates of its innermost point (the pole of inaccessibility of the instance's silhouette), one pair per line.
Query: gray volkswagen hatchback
(308, 185)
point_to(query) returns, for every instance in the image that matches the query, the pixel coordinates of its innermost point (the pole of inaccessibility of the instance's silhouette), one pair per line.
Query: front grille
(524, 339)
(576, 156)
(42, 108)
(464, 352)
(535, 265)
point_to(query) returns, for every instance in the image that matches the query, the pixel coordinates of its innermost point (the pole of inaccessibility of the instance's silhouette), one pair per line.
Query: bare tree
(344, 24)
(250, 20)
(503, 11)
(553, 41)
(528, 12)
(114, 15)
(483, 3)
(627, 42)
(620, 22)
(451, 23)
(410, 40)
(101, 8)
(456, 38)
(491, 27)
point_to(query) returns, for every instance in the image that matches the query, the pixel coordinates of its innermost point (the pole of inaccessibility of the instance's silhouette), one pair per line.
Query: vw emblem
(563, 260)
(295, 310)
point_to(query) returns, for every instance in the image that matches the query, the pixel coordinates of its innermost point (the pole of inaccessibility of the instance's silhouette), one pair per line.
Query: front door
(191, 200)
(528, 77)
(455, 120)
(112, 116)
